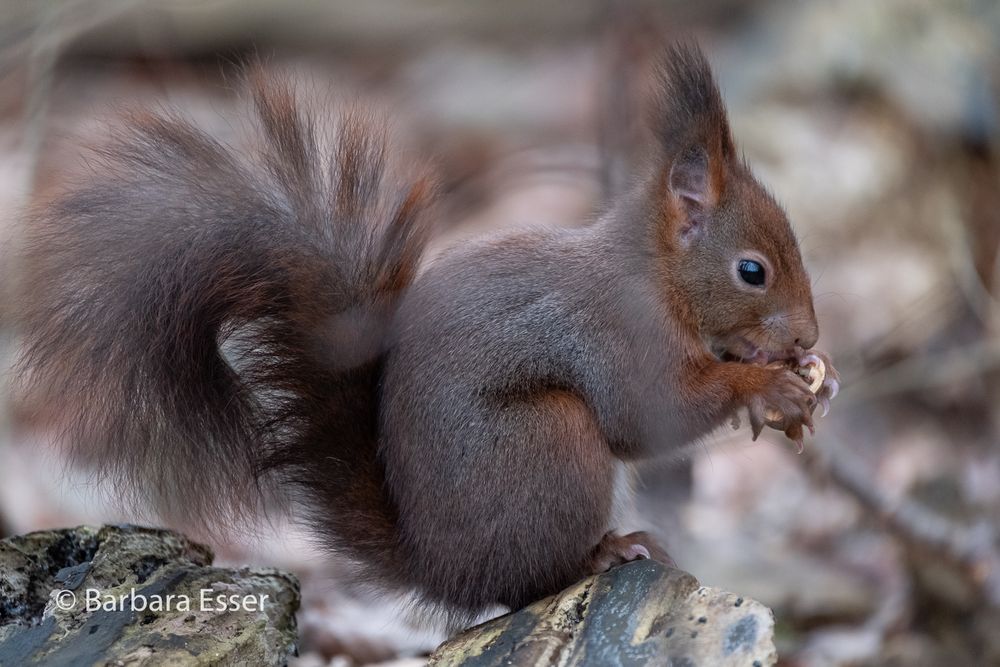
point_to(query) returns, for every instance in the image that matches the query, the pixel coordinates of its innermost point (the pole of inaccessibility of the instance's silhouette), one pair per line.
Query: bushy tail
(207, 325)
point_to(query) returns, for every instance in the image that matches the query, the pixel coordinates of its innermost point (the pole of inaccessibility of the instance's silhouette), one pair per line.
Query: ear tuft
(689, 109)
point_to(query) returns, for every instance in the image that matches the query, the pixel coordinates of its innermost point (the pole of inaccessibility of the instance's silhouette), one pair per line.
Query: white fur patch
(624, 516)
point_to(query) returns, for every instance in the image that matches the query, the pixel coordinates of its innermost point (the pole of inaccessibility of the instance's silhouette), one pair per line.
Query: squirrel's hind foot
(615, 550)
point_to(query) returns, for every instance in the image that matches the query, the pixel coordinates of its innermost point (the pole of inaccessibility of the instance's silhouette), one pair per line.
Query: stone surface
(61, 602)
(642, 613)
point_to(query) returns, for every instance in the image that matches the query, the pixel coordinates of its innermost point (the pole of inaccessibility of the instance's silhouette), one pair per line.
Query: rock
(641, 613)
(61, 602)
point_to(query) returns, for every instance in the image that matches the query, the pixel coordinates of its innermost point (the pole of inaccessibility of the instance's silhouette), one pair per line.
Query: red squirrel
(216, 329)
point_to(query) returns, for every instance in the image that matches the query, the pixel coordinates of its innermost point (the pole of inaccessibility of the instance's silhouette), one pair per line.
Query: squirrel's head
(730, 258)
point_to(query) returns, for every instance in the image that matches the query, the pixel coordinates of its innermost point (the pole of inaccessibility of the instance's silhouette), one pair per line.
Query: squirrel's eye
(751, 272)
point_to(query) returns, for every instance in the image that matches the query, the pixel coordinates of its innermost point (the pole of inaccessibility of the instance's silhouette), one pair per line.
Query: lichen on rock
(641, 613)
(130, 595)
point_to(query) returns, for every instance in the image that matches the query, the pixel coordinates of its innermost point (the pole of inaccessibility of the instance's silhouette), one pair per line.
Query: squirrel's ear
(692, 129)
(690, 180)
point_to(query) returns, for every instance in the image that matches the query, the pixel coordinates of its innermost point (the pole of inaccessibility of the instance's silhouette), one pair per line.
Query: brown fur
(179, 246)
(458, 432)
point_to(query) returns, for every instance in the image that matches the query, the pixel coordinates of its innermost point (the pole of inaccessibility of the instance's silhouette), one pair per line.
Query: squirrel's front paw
(784, 402)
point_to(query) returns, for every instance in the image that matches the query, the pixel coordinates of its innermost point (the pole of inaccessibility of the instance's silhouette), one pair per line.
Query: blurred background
(875, 123)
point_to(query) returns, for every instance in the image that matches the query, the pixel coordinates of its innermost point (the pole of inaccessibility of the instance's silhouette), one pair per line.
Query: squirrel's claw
(794, 433)
(831, 386)
(824, 403)
(827, 381)
(811, 359)
(829, 389)
(758, 418)
(615, 549)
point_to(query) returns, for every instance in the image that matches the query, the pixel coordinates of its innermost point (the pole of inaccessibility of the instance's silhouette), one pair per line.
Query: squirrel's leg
(504, 505)
(524, 509)
(571, 496)
(565, 427)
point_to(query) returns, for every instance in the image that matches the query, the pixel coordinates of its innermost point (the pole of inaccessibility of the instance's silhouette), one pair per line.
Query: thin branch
(972, 550)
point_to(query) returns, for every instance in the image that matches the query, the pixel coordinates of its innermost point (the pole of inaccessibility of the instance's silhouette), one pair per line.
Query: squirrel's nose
(807, 331)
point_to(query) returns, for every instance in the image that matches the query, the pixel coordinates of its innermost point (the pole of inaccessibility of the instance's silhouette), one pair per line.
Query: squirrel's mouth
(744, 351)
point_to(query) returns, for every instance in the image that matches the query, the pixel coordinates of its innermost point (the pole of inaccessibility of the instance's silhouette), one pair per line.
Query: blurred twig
(921, 372)
(971, 550)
